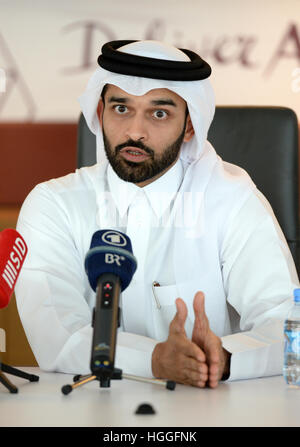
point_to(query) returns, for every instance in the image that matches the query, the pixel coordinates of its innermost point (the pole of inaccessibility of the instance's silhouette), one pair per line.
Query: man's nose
(136, 129)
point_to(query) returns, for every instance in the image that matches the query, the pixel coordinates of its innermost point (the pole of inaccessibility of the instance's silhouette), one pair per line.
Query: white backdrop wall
(49, 48)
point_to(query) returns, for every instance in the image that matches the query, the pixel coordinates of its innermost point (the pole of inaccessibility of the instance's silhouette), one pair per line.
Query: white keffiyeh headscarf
(198, 95)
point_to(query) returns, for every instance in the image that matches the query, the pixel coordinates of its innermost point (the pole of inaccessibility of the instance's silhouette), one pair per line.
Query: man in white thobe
(215, 277)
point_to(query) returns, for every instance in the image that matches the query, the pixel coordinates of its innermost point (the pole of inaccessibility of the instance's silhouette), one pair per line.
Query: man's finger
(192, 351)
(216, 361)
(194, 377)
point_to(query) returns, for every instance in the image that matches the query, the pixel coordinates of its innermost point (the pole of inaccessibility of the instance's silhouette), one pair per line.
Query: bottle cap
(297, 295)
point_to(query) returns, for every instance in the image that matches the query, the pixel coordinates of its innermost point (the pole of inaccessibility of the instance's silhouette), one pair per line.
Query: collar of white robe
(116, 61)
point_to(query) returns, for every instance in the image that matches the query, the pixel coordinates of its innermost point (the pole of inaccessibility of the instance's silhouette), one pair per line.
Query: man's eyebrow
(116, 99)
(163, 102)
(154, 102)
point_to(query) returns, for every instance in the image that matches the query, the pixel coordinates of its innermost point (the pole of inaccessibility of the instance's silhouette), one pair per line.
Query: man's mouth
(135, 154)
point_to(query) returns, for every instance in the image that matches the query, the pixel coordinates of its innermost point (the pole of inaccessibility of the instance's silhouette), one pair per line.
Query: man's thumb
(180, 316)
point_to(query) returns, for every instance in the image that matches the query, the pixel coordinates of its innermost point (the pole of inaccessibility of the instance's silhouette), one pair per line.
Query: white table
(265, 402)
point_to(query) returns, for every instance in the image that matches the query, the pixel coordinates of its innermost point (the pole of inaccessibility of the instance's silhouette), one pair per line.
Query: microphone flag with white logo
(13, 251)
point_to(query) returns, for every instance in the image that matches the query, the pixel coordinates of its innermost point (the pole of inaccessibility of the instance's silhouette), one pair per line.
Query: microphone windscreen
(110, 252)
(13, 251)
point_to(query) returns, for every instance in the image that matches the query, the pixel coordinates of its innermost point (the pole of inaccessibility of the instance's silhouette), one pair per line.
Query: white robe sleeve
(54, 298)
(259, 278)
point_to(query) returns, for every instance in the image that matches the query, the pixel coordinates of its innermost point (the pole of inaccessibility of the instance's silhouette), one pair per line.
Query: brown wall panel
(32, 153)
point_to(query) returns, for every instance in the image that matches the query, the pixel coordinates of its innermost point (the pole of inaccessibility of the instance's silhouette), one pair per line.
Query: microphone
(13, 251)
(110, 266)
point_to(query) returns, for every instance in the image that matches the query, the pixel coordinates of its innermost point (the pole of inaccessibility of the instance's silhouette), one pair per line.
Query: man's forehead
(113, 90)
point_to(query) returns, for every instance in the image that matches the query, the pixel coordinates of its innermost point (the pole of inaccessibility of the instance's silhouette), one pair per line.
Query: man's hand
(217, 358)
(179, 358)
(199, 362)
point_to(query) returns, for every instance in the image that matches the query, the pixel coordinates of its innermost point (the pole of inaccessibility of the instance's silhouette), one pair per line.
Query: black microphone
(110, 266)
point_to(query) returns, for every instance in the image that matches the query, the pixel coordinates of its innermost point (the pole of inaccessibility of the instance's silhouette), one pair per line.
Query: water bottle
(291, 367)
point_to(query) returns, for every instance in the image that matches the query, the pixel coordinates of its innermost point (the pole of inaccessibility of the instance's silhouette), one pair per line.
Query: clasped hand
(201, 361)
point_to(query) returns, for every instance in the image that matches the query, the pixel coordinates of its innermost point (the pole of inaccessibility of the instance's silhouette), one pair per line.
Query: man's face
(143, 134)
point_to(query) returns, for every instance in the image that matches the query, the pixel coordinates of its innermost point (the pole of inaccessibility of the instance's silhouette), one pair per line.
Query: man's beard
(142, 171)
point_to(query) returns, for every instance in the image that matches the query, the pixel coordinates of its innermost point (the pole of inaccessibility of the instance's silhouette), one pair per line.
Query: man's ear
(189, 130)
(100, 109)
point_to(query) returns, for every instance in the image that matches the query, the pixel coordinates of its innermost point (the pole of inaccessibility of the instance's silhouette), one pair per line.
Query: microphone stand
(16, 372)
(104, 376)
(117, 374)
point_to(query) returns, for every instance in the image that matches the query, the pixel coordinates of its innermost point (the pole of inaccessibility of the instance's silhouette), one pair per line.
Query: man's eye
(120, 109)
(160, 114)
